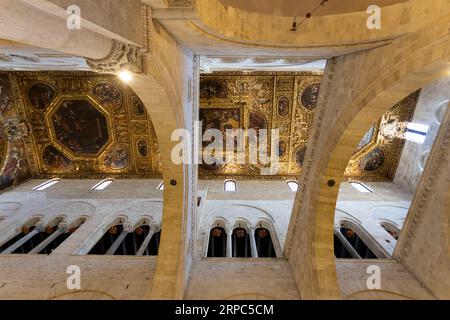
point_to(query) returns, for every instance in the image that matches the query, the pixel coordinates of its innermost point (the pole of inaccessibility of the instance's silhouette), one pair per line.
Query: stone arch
(402, 71)
(106, 223)
(364, 235)
(269, 225)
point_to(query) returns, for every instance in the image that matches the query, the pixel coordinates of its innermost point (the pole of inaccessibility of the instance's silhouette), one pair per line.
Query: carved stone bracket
(123, 56)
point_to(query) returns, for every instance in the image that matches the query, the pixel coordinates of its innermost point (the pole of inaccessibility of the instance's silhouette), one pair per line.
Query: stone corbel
(123, 56)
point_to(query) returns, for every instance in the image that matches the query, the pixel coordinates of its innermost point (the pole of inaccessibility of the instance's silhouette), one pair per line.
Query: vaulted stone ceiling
(299, 8)
(82, 125)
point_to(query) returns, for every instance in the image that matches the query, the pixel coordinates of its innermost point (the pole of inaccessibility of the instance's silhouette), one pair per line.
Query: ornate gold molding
(123, 56)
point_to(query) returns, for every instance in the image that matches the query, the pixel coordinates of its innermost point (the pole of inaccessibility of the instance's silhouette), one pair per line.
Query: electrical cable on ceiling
(307, 16)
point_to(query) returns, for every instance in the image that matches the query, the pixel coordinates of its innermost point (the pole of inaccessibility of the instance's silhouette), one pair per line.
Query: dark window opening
(217, 243)
(23, 233)
(356, 242)
(153, 247)
(107, 240)
(264, 243)
(241, 243)
(339, 249)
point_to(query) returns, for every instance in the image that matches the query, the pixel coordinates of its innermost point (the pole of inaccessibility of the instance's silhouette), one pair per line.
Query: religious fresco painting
(138, 107)
(117, 158)
(300, 156)
(55, 159)
(80, 127)
(309, 96)
(14, 163)
(6, 99)
(283, 106)
(373, 160)
(108, 95)
(40, 95)
(142, 147)
(221, 119)
(210, 89)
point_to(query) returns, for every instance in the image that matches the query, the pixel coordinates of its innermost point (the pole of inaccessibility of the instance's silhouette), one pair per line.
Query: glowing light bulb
(125, 76)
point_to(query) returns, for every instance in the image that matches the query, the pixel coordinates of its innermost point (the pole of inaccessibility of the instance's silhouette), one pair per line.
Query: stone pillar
(229, 232)
(41, 246)
(147, 240)
(253, 243)
(17, 244)
(126, 230)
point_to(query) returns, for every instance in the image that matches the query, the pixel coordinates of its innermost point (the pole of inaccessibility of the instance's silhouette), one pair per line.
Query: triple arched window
(40, 238)
(240, 242)
(119, 239)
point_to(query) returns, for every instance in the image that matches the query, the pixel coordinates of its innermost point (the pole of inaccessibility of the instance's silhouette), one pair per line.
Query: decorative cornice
(123, 56)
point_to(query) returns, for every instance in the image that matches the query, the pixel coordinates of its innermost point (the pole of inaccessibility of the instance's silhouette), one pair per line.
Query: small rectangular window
(361, 187)
(416, 132)
(293, 185)
(229, 186)
(102, 185)
(46, 184)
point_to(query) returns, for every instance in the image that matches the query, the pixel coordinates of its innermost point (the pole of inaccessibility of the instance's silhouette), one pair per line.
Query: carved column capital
(123, 56)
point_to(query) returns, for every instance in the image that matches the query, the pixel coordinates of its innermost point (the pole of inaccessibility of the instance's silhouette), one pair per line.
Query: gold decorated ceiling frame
(131, 150)
(377, 160)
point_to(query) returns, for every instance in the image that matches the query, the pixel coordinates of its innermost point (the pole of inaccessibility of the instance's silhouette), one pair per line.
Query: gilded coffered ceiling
(82, 125)
(287, 101)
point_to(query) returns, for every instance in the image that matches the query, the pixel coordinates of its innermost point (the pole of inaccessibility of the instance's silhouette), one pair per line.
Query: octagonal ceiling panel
(80, 126)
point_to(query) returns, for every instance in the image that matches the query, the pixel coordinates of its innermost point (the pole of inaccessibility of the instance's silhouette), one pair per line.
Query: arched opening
(33, 239)
(264, 243)
(139, 242)
(57, 238)
(352, 238)
(241, 243)
(107, 240)
(390, 228)
(217, 242)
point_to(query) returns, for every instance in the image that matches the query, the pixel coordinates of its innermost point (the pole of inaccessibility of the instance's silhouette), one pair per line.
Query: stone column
(147, 240)
(346, 244)
(126, 230)
(17, 244)
(41, 246)
(229, 232)
(253, 243)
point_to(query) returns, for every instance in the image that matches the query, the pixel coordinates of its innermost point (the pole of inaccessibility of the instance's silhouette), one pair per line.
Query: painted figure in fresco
(300, 156)
(373, 160)
(310, 96)
(138, 107)
(40, 95)
(142, 148)
(283, 106)
(53, 158)
(16, 168)
(109, 96)
(212, 89)
(117, 159)
(281, 148)
(6, 101)
(80, 127)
